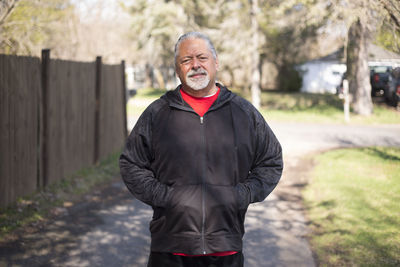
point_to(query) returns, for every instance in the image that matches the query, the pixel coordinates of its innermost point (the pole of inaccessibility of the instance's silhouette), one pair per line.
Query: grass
(319, 108)
(137, 104)
(289, 107)
(353, 204)
(301, 107)
(35, 208)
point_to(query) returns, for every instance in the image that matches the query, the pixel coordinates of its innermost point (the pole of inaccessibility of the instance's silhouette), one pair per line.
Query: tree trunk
(357, 69)
(255, 70)
(159, 78)
(149, 80)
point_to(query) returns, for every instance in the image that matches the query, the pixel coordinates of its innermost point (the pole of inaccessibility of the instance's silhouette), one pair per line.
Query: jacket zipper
(203, 189)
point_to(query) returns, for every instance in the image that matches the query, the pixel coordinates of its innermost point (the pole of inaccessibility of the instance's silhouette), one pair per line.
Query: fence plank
(124, 92)
(111, 127)
(19, 83)
(70, 117)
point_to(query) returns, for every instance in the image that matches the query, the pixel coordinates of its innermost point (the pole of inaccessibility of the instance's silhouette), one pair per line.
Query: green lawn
(352, 201)
(319, 108)
(290, 107)
(137, 104)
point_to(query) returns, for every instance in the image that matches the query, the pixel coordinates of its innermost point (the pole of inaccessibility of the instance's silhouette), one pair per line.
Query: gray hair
(195, 35)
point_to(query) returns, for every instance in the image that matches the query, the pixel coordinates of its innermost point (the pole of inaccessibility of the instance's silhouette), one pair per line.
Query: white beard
(197, 83)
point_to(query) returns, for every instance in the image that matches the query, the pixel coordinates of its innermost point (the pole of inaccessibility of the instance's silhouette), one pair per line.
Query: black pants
(161, 259)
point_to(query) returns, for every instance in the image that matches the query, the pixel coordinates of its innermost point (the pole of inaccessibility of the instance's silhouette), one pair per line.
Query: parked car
(379, 78)
(392, 95)
(385, 81)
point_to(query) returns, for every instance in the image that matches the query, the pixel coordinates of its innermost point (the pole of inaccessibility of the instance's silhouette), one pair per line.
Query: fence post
(125, 123)
(97, 110)
(42, 176)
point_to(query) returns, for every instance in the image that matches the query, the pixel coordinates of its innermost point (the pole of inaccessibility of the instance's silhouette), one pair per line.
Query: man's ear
(217, 64)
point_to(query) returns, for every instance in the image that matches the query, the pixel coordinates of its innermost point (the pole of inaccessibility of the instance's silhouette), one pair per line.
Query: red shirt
(201, 105)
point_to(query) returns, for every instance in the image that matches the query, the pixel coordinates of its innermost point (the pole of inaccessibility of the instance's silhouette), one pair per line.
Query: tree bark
(255, 71)
(357, 69)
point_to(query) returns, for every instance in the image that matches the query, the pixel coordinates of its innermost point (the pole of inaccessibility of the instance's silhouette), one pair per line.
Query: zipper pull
(201, 120)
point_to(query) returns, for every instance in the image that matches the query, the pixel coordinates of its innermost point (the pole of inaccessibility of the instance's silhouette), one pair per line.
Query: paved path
(276, 228)
(111, 228)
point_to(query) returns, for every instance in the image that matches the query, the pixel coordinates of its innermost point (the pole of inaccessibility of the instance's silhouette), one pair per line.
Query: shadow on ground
(105, 230)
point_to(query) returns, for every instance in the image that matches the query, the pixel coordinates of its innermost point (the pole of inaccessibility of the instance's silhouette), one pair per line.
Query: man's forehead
(193, 45)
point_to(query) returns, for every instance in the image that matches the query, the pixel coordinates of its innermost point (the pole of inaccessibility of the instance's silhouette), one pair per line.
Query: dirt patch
(295, 178)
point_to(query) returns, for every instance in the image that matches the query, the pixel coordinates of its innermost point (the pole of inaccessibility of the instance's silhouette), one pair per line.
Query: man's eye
(203, 58)
(185, 61)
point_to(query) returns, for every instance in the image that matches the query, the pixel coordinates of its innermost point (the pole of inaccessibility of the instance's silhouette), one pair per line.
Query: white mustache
(194, 72)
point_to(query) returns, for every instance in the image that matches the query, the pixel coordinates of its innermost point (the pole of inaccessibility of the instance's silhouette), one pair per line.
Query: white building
(323, 75)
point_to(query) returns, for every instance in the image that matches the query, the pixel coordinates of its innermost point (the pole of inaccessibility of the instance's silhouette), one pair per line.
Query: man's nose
(196, 64)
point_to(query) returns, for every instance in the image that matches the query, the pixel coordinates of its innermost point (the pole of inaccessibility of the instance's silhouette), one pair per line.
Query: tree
(361, 19)
(28, 25)
(290, 39)
(255, 57)
(392, 8)
(389, 33)
(388, 37)
(362, 23)
(156, 25)
(357, 69)
(6, 6)
(100, 27)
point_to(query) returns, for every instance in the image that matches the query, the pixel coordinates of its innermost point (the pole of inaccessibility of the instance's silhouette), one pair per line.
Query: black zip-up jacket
(199, 174)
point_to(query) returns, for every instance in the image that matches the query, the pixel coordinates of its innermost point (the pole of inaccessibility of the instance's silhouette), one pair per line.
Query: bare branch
(393, 11)
(6, 6)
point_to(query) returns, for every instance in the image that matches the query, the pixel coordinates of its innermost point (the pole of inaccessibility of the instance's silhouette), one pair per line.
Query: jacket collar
(174, 98)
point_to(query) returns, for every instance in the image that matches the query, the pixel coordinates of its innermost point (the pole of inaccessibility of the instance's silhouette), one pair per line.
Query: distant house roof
(375, 53)
(380, 54)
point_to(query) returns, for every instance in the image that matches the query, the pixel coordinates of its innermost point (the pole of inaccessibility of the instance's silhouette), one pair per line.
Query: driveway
(110, 228)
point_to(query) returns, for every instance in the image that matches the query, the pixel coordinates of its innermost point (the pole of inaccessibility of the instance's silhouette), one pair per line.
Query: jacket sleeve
(267, 165)
(135, 163)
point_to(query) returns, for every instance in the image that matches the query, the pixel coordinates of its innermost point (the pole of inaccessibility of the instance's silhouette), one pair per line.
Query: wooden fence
(56, 117)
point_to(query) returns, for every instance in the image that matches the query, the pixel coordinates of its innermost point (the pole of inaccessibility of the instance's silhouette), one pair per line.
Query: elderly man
(199, 156)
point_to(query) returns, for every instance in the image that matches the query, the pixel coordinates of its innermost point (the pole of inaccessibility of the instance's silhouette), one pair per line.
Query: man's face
(195, 64)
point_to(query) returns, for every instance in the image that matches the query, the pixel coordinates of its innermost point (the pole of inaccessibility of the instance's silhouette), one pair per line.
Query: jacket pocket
(156, 225)
(222, 211)
(243, 196)
(183, 211)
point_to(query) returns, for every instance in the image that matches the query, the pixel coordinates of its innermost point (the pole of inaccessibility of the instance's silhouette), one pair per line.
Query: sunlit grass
(319, 108)
(138, 103)
(37, 206)
(353, 201)
(289, 107)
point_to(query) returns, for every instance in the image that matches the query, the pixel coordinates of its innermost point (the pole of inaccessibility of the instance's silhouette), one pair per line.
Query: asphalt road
(110, 228)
